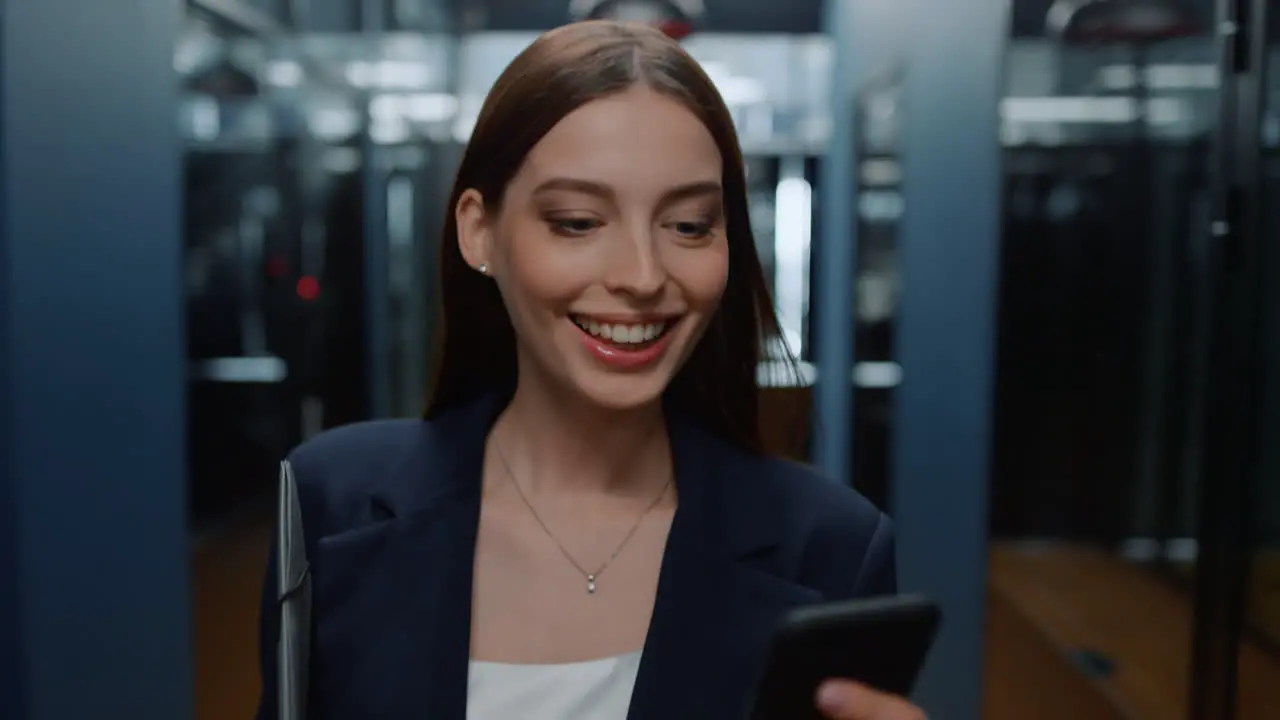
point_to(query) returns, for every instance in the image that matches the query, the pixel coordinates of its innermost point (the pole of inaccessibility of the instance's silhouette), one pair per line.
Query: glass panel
(1095, 482)
(245, 323)
(1266, 603)
(315, 166)
(1259, 692)
(879, 119)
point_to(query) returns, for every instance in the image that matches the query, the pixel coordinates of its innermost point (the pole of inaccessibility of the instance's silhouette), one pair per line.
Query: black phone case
(882, 643)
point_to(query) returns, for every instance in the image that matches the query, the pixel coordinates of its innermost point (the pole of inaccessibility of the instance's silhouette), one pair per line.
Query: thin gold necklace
(590, 576)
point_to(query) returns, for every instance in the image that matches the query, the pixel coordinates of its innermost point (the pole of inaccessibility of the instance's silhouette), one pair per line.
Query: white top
(591, 690)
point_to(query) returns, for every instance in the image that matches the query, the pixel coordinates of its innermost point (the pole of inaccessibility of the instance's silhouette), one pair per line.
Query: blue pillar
(94, 616)
(945, 339)
(835, 253)
(867, 37)
(376, 242)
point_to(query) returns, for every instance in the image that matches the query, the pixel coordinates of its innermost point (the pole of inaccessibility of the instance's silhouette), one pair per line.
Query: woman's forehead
(634, 139)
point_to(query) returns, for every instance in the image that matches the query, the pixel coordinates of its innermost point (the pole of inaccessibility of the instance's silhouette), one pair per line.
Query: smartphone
(881, 643)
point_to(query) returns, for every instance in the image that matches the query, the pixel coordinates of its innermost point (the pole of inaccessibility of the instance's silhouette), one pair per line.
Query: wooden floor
(1045, 604)
(228, 575)
(1265, 601)
(1085, 600)
(1028, 676)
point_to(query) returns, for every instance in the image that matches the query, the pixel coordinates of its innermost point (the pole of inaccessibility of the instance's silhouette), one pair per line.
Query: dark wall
(1074, 414)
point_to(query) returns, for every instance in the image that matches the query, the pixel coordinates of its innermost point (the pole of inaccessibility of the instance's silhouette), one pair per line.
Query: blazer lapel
(716, 605)
(394, 643)
(396, 595)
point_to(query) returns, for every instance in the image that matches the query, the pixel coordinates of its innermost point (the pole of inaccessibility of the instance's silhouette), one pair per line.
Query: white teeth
(629, 334)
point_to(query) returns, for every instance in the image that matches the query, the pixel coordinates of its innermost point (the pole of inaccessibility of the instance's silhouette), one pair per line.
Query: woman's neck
(558, 443)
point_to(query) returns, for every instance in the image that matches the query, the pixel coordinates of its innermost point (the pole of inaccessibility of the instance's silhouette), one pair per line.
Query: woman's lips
(625, 345)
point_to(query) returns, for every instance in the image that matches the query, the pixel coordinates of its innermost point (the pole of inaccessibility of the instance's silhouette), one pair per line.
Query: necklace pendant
(591, 584)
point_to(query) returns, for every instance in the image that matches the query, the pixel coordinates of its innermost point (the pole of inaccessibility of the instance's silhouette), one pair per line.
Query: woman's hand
(846, 700)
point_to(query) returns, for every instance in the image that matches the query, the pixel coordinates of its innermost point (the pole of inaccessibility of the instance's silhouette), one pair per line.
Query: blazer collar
(395, 597)
(719, 499)
(445, 465)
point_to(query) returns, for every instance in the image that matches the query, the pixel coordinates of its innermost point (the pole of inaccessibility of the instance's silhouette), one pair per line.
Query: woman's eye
(573, 226)
(692, 230)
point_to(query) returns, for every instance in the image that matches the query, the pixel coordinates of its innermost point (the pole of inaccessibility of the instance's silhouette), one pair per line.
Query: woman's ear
(475, 234)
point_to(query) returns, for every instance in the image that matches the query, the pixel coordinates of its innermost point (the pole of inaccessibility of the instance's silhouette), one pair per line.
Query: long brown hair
(561, 71)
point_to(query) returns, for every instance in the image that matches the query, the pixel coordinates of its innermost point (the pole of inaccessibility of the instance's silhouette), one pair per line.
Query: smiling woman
(616, 160)
(584, 524)
(602, 227)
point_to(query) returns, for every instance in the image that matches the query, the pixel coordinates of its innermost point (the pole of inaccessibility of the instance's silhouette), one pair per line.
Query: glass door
(1234, 670)
(1259, 694)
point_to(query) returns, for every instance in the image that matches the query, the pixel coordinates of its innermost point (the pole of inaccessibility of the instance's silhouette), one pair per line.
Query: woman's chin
(622, 392)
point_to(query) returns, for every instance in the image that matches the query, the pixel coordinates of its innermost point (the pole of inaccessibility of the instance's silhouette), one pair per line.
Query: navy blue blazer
(391, 509)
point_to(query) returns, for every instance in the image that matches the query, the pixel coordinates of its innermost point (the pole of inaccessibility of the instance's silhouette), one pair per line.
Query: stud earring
(484, 269)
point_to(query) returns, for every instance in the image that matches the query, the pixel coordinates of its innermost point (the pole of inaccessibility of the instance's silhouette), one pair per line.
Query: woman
(584, 526)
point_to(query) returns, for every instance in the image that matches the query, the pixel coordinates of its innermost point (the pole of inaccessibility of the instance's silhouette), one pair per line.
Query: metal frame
(240, 15)
(1233, 439)
(93, 536)
(377, 281)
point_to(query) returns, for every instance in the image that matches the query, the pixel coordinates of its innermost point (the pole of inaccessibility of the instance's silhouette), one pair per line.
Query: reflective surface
(1263, 619)
(314, 165)
(1106, 343)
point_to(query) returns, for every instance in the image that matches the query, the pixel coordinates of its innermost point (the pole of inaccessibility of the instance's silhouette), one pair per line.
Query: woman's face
(609, 248)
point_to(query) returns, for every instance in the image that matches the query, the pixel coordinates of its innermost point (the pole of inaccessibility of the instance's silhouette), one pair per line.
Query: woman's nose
(636, 267)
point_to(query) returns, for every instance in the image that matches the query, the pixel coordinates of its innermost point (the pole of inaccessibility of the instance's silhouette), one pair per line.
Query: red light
(308, 288)
(676, 29)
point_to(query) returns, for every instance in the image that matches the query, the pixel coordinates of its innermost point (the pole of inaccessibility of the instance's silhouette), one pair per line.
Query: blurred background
(1027, 250)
